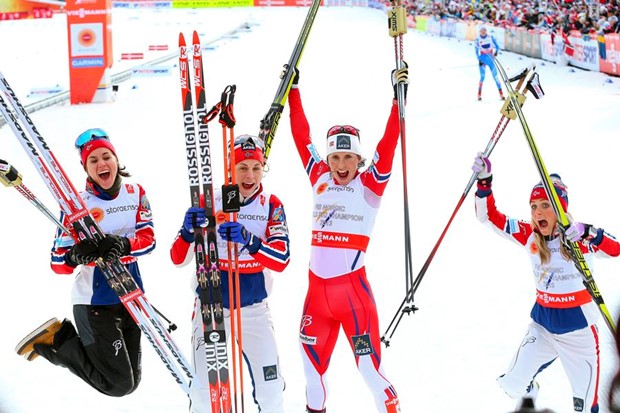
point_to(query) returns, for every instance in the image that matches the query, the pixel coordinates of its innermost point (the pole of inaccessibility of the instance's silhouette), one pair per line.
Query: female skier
(346, 202)
(106, 353)
(564, 316)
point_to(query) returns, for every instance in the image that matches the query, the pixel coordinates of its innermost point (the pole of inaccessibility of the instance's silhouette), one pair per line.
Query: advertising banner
(611, 62)
(89, 27)
(24, 9)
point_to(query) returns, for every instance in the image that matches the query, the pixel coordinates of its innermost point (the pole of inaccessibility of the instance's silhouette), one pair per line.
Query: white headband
(343, 142)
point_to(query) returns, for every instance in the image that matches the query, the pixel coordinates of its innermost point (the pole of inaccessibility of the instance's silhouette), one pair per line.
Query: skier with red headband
(563, 316)
(262, 234)
(106, 354)
(346, 202)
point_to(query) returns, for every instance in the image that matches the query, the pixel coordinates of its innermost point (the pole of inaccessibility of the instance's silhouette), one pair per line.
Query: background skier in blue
(487, 47)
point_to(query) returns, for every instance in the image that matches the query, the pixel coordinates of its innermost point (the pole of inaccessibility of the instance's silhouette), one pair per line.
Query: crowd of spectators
(596, 17)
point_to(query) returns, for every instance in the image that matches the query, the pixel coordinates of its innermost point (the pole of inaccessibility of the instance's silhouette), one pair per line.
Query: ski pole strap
(215, 110)
(9, 175)
(397, 20)
(533, 85)
(227, 117)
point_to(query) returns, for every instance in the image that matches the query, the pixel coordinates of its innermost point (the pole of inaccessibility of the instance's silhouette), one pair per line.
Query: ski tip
(181, 39)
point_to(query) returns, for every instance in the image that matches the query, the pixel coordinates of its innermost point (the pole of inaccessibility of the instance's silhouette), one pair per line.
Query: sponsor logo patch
(270, 373)
(278, 215)
(578, 404)
(97, 214)
(362, 345)
(343, 142)
(311, 341)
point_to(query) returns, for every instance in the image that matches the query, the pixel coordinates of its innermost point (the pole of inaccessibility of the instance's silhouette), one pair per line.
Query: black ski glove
(113, 247)
(480, 63)
(82, 253)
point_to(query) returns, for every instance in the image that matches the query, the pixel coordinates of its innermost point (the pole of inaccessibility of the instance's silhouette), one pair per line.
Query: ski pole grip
(9, 175)
(231, 202)
(397, 21)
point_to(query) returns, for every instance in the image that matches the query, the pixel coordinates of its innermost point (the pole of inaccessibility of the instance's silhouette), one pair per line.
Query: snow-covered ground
(475, 298)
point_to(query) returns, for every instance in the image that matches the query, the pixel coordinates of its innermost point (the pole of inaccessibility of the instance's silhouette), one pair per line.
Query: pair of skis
(563, 221)
(527, 80)
(199, 168)
(82, 226)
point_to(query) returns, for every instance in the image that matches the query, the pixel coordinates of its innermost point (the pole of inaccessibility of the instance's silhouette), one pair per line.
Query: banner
(23, 9)
(611, 63)
(89, 27)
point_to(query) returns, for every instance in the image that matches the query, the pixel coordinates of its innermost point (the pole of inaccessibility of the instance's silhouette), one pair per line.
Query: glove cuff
(126, 246)
(187, 236)
(484, 187)
(593, 235)
(68, 260)
(253, 244)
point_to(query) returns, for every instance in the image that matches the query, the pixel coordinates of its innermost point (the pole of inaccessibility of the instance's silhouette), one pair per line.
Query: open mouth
(104, 175)
(542, 224)
(342, 175)
(247, 186)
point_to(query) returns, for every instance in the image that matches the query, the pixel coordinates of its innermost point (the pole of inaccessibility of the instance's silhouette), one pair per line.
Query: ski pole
(407, 306)
(231, 204)
(397, 23)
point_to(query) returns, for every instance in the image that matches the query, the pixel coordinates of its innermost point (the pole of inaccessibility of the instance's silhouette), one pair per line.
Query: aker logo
(248, 146)
(343, 142)
(270, 373)
(578, 404)
(362, 345)
(97, 214)
(311, 341)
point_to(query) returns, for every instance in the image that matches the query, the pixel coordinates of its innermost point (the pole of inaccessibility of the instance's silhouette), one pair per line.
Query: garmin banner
(89, 26)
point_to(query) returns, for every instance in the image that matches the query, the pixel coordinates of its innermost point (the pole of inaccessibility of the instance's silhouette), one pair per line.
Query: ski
(198, 154)
(269, 123)
(576, 254)
(83, 226)
(527, 80)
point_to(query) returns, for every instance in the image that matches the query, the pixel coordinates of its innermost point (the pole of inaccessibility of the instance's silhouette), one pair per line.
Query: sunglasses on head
(89, 136)
(343, 129)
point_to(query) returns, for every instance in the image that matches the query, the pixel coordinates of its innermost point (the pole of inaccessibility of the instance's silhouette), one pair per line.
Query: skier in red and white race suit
(564, 316)
(262, 232)
(346, 202)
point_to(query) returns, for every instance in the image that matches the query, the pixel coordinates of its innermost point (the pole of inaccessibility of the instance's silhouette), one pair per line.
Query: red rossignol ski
(82, 226)
(198, 153)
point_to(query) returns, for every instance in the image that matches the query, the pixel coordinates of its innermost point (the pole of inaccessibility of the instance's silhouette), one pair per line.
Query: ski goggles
(351, 130)
(89, 136)
(245, 141)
